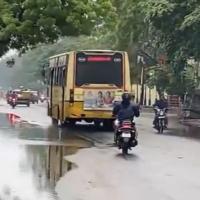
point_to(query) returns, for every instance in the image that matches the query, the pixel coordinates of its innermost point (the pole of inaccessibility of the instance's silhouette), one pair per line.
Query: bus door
(55, 93)
(63, 83)
(51, 91)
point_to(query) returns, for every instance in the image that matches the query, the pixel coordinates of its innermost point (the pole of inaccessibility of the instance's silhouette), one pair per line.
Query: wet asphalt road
(33, 158)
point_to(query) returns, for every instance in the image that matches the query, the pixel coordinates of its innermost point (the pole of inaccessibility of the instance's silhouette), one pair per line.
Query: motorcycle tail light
(126, 127)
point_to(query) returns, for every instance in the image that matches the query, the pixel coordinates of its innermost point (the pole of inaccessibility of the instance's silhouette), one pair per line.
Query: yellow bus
(84, 85)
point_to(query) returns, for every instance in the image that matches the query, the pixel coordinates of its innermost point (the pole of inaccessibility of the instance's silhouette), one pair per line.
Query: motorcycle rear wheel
(125, 150)
(160, 126)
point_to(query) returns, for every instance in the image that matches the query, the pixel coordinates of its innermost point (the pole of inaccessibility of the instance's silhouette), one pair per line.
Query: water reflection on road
(32, 159)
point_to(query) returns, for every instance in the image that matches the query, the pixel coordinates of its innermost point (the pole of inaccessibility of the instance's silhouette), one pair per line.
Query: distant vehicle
(9, 99)
(160, 119)
(34, 97)
(42, 98)
(23, 97)
(84, 85)
(8, 96)
(13, 102)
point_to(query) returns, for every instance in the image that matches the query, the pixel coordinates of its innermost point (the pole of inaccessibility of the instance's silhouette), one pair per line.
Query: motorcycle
(9, 100)
(13, 103)
(42, 98)
(160, 119)
(126, 136)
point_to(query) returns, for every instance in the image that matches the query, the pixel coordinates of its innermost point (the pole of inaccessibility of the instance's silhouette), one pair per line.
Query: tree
(161, 26)
(158, 76)
(132, 33)
(177, 23)
(28, 68)
(26, 23)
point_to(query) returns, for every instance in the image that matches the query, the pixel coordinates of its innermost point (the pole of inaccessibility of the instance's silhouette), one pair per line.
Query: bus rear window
(99, 69)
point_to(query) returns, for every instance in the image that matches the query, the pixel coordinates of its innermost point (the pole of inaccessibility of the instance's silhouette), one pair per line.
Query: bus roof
(98, 50)
(58, 55)
(87, 51)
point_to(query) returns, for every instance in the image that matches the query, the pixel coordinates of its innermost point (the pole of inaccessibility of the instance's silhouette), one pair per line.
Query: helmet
(126, 97)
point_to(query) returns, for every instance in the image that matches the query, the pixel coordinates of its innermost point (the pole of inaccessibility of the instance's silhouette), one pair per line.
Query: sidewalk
(190, 122)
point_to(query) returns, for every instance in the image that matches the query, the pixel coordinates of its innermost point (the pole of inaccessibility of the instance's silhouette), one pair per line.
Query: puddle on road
(182, 130)
(32, 159)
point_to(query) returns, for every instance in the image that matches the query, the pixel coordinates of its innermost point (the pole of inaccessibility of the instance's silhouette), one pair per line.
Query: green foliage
(158, 76)
(26, 23)
(171, 27)
(184, 83)
(165, 80)
(178, 25)
(29, 69)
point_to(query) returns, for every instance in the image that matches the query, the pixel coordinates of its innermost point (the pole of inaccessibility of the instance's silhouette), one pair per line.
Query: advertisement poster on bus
(99, 99)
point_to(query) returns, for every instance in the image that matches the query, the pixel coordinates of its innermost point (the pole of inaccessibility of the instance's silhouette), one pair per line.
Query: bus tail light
(71, 96)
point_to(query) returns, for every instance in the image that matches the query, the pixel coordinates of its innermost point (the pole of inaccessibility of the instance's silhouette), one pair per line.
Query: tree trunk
(159, 92)
(142, 87)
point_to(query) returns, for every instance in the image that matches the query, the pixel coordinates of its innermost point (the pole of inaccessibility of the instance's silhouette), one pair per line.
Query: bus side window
(63, 76)
(56, 76)
(60, 76)
(51, 77)
(65, 70)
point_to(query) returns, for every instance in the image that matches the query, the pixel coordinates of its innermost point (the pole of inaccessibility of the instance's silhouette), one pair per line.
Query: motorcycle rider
(161, 104)
(126, 110)
(14, 95)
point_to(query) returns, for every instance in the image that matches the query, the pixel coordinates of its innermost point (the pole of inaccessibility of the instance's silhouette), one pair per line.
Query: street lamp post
(140, 60)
